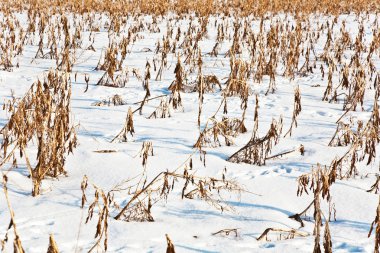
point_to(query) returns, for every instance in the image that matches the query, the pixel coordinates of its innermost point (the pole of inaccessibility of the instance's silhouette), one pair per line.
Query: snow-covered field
(270, 191)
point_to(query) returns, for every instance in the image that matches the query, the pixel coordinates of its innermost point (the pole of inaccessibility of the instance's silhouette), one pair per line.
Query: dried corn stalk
(42, 115)
(163, 110)
(283, 234)
(101, 203)
(53, 248)
(170, 247)
(145, 195)
(128, 128)
(258, 149)
(296, 111)
(319, 182)
(237, 83)
(227, 128)
(376, 223)
(146, 150)
(114, 100)
(17, 245)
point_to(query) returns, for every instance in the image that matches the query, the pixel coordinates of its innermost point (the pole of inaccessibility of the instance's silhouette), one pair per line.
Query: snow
(271, 189)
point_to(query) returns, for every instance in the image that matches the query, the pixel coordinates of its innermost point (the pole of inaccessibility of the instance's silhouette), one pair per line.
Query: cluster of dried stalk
(143, 194)
(114, 100)
(161, 7)
(318, 182)
(42, 116)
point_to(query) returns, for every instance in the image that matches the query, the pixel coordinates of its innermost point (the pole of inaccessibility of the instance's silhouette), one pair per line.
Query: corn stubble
(257, 150)
(53, 248)
(376, 224)
(170, 246)
(122, 136)
(142, 195)
(42, 116)
(319, 182)
(17, 245)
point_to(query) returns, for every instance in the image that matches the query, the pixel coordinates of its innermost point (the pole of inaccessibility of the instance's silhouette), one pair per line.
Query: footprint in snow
(325, 114)
(276, 172)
